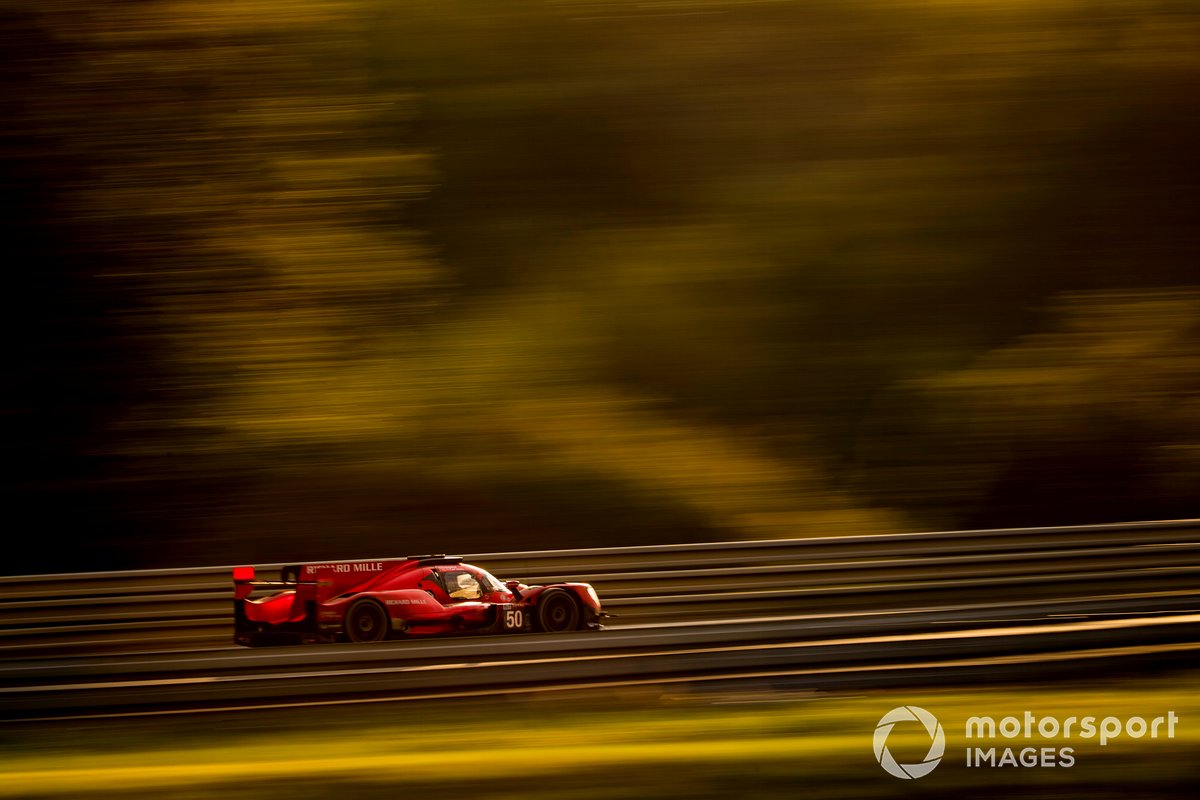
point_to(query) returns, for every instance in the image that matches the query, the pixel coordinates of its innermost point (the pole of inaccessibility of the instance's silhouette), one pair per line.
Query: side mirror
(514, 588)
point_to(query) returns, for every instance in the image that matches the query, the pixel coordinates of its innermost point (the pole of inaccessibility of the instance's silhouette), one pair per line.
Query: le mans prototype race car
(369, 601)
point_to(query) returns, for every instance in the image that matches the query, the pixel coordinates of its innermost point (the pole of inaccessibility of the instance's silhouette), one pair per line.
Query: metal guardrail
(80, 612)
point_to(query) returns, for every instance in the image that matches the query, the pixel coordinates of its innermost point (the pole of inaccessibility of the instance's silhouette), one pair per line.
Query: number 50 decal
(514, 618)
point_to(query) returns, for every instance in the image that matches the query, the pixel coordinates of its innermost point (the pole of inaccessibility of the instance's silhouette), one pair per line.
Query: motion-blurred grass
(609, 744)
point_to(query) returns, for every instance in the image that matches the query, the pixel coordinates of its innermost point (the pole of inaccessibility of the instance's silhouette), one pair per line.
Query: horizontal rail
(1121, 529)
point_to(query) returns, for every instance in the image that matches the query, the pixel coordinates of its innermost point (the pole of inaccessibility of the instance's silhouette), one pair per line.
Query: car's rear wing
(244, 582)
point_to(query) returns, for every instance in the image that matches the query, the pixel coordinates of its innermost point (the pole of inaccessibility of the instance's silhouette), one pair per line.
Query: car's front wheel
(557, 611)
(366, 621)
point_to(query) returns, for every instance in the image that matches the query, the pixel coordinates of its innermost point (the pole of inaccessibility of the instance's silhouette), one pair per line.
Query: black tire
(558, 612)
(366, 621)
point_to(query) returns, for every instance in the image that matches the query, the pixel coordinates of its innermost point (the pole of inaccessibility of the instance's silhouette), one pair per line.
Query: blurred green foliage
(324, 279)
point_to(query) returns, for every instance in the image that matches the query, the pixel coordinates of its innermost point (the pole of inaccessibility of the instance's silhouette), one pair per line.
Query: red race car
(369, 601)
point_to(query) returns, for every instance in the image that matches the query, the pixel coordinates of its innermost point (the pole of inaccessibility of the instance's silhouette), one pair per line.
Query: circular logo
(937, 744)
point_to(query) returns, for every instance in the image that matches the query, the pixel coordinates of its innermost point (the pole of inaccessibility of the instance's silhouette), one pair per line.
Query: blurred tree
(338, 278)
(212, 196)
(783, 214)
(1095, 420)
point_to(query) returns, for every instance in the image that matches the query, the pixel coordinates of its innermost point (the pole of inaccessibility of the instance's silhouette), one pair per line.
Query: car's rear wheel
(557, 611)
(366, 621)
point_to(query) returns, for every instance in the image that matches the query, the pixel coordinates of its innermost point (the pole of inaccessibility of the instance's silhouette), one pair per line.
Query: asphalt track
(937, 607)
(814, 650)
